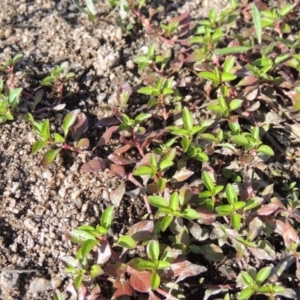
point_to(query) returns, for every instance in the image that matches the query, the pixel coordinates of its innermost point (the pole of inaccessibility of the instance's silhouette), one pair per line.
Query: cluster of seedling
(195, 174)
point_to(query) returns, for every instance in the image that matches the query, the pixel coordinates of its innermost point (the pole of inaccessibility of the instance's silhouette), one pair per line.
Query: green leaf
(87, 247)
(69, 120)
(230, 194)
(247, 278)
(165, 222)
(240, 140)
(236, 221)
(58, 295)
(49, 157)
(255, 133)
(153, 163)
(265, 150)
(163, 264)
(228, 64)
(246, 293)
(257, 23)
(95, 271)
(16, 58)
(285, 10)
(47, 81)
(231, 50)
(126, 242)
(144, 264)
(239, 205)
(187, 119)
(58, 138)
(165, 164)
(38, 146)
(77, 281)
(235, 104)
(80, 236)
(107, 217)
(28, 117)
(45, 130)
(227, 77)
(142, 117)
(215, 107)
(143, 170)
(208, 76)
(251, 203)
(155, 281)
(185, 144)
(263, 274)
(190, 213)
(208, 182)
(174, 201)
(153, 250)
(224, 210)
(157, 201)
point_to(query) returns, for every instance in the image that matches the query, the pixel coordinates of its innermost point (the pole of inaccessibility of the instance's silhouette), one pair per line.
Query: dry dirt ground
(38, 208)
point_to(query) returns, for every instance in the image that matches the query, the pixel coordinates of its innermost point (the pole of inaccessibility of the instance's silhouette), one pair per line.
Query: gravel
(38, 208)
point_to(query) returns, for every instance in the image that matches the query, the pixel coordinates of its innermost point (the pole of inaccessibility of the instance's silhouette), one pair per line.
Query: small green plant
(9, 101)
(57, 80)
(254, 282)
(42, 130)
(88, 10)
(154, 263)
(88, 237)
(9, 66)
(172, 209)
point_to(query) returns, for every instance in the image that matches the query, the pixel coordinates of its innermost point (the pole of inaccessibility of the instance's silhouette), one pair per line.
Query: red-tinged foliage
(186, 269)
(117, 170)
(140, 281)
(122, 287)
(120, 160)
(107, 122)
(103, 253)
(93, 165)
(80, 127)
(106, 136)
(141, 231)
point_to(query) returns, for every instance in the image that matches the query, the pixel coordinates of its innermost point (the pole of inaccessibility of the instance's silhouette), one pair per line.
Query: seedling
(89, 10)
(9, 101)
(154, 263)
(57, 80)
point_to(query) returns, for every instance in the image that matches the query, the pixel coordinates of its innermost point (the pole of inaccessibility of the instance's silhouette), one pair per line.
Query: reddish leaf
(140, 281)
(82, 292)
(122, 288)
(182, 174)
(261, 253)
(106, 136)
(93, 165)
(81, 125)
(103, 253)
(122, 149)
(117, 194)
(186, 269)
(116, 170)
(268, 209)
(205, 217)
(82, 144)
(115, 270)
(141, 231)
(248, 80)
(107, 122)
(289, 235)
(120, 160)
